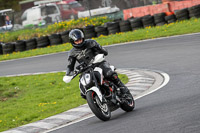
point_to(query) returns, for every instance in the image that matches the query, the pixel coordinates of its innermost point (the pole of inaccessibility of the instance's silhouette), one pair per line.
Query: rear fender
(96, 90)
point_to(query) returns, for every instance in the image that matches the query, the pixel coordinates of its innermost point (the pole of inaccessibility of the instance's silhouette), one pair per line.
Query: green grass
(26, 99)
(178, 28)
(26, 34)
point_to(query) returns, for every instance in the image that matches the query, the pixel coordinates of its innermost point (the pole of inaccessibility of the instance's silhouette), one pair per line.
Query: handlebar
(82, 67)
(93, 63)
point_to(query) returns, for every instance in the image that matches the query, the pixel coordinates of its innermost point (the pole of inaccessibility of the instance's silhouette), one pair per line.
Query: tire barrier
(8, 48)
(42, 42)
(194, 12)
(89, 31)
(55, 39)
(101, 30)
(136, 23)
(65, 36)
(109, 28)
(159, 19)
(31, 44)
(20, 46)
(170, 19)
(158, 8)
(148, 21)
(182, 14)
(113, 27)
(1, 51)
(125, 26)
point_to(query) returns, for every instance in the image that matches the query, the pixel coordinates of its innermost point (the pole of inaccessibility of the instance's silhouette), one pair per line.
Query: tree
(13, 4)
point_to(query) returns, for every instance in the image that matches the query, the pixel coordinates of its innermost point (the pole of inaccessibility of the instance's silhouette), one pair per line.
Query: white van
(41, 15)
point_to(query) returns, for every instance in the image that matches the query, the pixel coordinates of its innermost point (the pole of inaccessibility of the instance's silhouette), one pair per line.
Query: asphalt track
(173, 109)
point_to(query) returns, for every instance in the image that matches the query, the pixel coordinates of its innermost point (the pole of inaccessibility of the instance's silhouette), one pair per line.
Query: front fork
(97, 91)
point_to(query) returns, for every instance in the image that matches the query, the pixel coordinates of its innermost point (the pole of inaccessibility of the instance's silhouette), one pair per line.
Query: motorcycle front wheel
(101, 110)
(128, 103)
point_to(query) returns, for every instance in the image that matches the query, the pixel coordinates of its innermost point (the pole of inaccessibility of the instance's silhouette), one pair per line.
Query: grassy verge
(26, 99)
(26, 34)
(178, 28)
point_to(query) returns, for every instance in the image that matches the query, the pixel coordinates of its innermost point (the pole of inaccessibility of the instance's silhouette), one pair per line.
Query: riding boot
(119, 84)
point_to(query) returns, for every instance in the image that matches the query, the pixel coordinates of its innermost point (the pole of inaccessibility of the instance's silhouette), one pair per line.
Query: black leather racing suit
(84, 55)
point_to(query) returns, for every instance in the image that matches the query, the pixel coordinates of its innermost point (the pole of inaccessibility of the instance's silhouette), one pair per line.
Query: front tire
(103, 113)
(128, 103)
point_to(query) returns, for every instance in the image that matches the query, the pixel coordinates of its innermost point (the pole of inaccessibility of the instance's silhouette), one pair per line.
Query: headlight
(85, 80)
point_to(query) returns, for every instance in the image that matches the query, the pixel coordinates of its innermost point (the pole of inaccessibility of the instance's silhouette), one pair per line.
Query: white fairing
(96, 90)
(67, 79)
(98, 58)
(113, 68)
(100, 71)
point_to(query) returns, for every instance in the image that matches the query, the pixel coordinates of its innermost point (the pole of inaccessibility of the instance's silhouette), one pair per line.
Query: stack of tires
(20, 46)
(148, 21)
(101, 30)
(194, 12)
(55, 39)
(1, 51)
(113, 27)
(159, 19)
(182, 14)
(125, 26)
(89, 31)
(8, 48)
(109, 28)
(136, 23)
(65, 36)
(31, 44)
(170, 19)
(42, 42)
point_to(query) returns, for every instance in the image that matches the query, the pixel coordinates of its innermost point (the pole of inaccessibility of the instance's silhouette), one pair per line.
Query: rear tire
(103, 115)
(128, 104)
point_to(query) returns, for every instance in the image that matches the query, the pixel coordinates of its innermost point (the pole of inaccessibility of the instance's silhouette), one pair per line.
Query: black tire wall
(31, 44)
(55, 39)
(8, 48)
(42, 42)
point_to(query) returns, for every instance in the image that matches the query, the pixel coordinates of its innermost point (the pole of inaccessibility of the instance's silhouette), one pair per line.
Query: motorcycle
(102, 95)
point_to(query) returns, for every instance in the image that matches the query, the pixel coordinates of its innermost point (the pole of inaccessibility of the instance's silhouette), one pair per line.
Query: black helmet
(75, 35)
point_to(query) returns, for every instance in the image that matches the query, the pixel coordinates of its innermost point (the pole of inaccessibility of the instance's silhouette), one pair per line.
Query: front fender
(96, 90)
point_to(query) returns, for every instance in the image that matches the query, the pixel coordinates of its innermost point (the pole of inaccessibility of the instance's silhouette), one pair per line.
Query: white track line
(166, 80)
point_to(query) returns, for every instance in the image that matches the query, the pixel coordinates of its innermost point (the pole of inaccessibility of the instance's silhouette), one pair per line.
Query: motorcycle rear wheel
(129, 103)
(103, 114)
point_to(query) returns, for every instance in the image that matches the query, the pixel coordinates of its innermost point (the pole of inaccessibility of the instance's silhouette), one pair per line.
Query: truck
(69, 9)
(55, 11)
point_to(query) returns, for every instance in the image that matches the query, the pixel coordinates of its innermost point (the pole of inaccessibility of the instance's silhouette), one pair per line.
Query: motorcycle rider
(84, 51)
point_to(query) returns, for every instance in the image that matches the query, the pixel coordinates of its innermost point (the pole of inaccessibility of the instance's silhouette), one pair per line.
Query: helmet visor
(79, 41)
